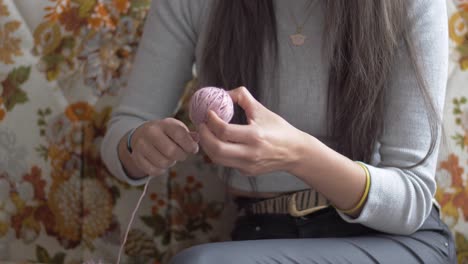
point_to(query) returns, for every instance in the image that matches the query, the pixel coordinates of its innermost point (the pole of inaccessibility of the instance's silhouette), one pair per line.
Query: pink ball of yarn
(210, 98)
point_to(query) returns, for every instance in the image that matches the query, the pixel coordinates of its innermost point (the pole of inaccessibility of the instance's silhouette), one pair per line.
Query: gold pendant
(297, 39)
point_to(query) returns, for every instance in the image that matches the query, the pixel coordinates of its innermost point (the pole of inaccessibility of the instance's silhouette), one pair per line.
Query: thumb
(244, 99)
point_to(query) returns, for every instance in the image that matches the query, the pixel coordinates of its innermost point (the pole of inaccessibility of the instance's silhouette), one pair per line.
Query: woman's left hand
(267, 143)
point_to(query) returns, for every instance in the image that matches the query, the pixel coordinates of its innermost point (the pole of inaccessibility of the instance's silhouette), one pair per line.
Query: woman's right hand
(158, 145)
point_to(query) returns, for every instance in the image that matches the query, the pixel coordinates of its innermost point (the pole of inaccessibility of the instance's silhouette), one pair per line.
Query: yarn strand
(122, 246)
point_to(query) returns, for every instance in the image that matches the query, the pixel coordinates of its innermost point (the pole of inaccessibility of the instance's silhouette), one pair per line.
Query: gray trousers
(270, 239)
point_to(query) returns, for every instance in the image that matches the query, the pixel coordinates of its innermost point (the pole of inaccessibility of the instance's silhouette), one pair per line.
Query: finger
(167, 147)
(183, 139)
(156, 158)
(228, 132)
(225, 153)
(180, 134)
(153, 170)
(145, 165)
(244, 99)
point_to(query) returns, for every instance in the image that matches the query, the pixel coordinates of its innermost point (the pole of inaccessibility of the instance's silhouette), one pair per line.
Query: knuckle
(182, 157)
(243, 90)
(261, 135)
(171, 152)
(166, 163)
(258, 135)
(255, 158)
(152, 130)
(164, 123)
(217, 149)
(178, 135)
(167, 120)
(162, 164)
(172, 122)
(153, 171)
(223, 133)
(179, 155)
(148, 124)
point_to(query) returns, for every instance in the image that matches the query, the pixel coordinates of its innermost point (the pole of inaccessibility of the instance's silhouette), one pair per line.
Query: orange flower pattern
(99, 35)
(458, 32)
(2, 111)
(452, 192)
(80, 111)
(9, 44)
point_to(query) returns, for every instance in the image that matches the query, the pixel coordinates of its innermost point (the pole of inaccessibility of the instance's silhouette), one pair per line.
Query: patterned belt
(296, 204)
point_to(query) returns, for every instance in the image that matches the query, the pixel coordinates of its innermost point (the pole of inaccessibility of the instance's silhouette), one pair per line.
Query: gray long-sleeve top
(399, 199)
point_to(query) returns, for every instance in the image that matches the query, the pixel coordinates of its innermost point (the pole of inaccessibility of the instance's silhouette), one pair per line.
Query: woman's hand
(267, 143)
(158, 145)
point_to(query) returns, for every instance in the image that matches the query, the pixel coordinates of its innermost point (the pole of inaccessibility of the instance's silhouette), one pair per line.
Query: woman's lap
(364, 249)
(323, 238)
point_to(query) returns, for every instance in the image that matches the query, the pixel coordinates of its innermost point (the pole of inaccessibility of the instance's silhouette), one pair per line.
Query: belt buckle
(293, 211)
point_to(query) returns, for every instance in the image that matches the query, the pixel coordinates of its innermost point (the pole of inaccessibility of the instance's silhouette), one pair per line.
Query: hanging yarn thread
(132, 218)
(210, 98)
(122, 246)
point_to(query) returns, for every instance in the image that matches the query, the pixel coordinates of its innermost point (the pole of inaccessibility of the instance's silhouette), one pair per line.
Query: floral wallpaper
(60, 77)
(457, 31)
(452, 173)
(95, 39)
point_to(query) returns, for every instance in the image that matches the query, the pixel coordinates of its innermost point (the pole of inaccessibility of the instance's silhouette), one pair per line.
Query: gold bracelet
(364, 195)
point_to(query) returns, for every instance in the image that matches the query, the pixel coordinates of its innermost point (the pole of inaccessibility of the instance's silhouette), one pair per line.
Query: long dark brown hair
(361, 39)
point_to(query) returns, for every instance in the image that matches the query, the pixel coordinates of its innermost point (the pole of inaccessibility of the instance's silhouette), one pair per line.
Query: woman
(334, 146)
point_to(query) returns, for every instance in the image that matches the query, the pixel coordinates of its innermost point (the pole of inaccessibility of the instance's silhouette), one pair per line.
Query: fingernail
(196, 150)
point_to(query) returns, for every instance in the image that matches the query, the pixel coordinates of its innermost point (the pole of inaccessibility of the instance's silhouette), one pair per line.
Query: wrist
(300, 152)
(129, 140)
(356, 210)
(126, 161)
